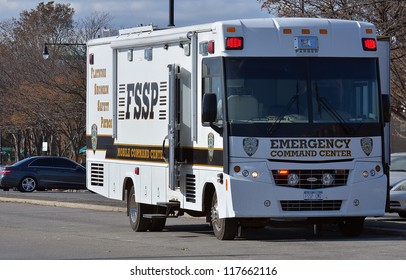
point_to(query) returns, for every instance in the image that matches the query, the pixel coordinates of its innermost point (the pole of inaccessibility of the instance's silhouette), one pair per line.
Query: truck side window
(212, 83)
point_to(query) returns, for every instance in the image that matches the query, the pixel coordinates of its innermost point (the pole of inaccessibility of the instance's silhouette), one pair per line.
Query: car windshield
(398, 163)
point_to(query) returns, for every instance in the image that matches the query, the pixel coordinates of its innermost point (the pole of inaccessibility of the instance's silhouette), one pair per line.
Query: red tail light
(5, 171)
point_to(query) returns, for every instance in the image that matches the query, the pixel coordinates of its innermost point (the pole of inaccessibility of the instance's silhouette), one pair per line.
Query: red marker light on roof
(234, 43)
(369, 44)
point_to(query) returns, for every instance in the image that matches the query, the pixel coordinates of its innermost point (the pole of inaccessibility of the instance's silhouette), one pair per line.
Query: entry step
(154, 216)
(170, 204)
(172, 209)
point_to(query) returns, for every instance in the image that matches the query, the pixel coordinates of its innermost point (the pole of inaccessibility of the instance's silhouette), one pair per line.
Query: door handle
(163, 149)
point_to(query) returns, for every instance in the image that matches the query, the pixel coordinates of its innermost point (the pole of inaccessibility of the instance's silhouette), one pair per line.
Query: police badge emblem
(250, 145)
(367, 145)
(94, 138)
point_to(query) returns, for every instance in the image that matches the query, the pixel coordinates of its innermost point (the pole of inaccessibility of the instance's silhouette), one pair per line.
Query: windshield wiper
(332, 112)
(286, 109)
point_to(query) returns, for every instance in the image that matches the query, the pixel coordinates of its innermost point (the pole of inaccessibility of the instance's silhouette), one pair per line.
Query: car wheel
(28, 184)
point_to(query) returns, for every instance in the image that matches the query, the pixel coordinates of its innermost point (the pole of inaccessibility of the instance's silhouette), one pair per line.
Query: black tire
(28, 184)
(351, 226)
(402, 214)
(225, 228)
(158, 224)
(136, 211)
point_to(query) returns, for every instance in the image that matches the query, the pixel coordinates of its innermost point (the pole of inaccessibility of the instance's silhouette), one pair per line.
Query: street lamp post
(45, 54)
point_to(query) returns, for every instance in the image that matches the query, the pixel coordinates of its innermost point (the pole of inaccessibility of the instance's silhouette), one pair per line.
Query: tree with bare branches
(44, 100)
(389, 17)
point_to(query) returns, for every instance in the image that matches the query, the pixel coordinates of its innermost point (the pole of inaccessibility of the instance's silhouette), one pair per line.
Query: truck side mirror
(386, 107)
(209, 110)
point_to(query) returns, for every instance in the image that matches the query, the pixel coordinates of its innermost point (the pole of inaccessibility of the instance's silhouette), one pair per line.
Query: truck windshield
(341, 91)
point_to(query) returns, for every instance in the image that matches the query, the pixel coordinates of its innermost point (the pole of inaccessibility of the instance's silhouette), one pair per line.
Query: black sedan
(43, 172)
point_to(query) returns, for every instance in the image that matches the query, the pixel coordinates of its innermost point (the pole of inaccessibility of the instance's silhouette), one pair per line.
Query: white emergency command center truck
(243, 122)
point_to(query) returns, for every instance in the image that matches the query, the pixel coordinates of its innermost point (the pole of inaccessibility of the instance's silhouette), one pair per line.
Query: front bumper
(397, 201)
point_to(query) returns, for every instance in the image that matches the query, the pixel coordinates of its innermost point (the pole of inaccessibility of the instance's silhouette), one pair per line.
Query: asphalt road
(389, 224)
(83, 225)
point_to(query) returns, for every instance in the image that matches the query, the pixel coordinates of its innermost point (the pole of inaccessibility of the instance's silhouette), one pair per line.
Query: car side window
(41, 162)
(64, 163)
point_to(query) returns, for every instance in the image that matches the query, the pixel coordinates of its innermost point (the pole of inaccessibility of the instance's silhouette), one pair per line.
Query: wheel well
(128, 184)
(208, 192)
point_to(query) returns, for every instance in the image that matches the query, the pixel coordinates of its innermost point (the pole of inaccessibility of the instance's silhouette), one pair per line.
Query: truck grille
(191, 188)
(311, 179)
(302, 205)
(96, 174)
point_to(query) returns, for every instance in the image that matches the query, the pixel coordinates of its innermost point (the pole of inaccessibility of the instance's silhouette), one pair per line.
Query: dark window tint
(212, 83)
(42, 162)
(302, 90)
(64, 163)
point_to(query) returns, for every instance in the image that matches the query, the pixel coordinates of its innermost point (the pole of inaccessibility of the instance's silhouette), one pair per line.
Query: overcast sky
(130, 13)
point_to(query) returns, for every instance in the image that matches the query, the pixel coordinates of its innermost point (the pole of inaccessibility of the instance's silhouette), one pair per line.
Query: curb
(64, 204)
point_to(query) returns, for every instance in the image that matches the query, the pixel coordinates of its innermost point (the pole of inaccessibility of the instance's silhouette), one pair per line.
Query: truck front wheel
(225, 228)
(136, 211)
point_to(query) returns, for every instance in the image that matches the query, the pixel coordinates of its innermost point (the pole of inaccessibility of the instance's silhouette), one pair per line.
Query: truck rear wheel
(136, 211)
(225, 228)
(351, 226)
